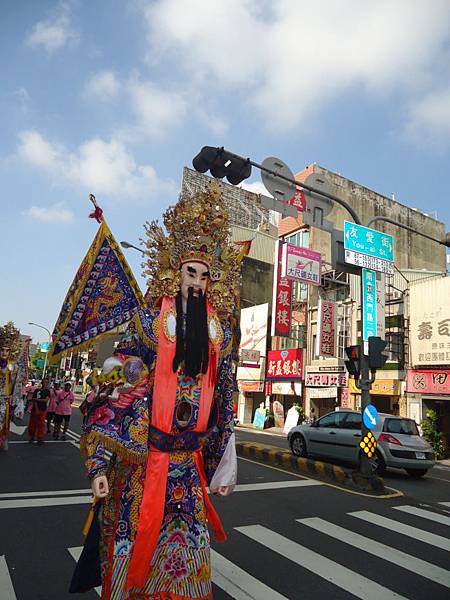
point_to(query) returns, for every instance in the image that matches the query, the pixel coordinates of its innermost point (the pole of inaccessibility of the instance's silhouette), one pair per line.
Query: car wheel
(416, 473)
(298, 445)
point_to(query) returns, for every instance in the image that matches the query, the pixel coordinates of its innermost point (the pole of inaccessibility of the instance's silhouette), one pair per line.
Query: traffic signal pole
(210, 157)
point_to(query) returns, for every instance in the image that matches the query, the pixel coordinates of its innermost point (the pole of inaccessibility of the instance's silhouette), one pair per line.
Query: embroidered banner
(104, 295)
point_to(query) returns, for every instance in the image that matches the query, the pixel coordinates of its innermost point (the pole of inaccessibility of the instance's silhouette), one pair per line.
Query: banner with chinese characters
(282, 297)
(326, 328)
(285, 364)
(314, 378)
(429, 331)
(301, 264)
(428, 382)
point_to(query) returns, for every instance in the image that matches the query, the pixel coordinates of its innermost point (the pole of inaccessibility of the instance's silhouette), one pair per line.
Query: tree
(432, 434)
(10, 338)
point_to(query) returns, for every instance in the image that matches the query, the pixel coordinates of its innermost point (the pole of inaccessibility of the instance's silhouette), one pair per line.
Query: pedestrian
(63, 410)
(54, 391)
(29, 390)
(36, 426)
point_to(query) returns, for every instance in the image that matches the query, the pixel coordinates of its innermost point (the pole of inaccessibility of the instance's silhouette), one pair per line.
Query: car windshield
(402, 426)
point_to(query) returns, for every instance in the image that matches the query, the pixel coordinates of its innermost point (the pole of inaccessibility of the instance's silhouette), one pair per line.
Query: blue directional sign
(368, 241)
(370, 416)
(369, 286)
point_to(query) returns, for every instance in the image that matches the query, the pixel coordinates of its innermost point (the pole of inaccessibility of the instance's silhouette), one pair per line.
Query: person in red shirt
(40, 399)
(63, 410)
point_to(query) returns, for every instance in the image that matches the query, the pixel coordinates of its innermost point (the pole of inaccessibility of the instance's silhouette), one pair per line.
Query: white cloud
(257, 187)
(57, 213)
(98, 166)
(103, 85)
(23, 99)
(289, 59)
(56, 31)
(156, 109)
(428, 121)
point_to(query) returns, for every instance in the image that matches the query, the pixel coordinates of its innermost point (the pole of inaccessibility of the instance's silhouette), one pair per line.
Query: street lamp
(128, 245)
(48, 349)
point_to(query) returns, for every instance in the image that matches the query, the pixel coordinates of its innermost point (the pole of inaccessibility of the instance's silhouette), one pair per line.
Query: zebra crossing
(240, 584)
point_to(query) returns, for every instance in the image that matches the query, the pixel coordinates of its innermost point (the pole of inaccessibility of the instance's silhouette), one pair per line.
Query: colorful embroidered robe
(180, 566)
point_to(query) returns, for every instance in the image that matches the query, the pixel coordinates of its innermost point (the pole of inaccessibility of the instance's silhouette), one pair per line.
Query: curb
(314, 469)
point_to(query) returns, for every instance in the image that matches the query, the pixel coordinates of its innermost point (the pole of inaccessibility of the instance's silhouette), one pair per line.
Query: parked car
(337, 436)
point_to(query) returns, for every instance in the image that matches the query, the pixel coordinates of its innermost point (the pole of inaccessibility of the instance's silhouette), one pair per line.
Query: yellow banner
(380, 387)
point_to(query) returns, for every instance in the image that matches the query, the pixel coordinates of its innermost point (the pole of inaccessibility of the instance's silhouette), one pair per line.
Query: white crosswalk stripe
(6, 586)
(344, 578)
(414, 532)
(425, 514)
(365, 544)
(240, 584)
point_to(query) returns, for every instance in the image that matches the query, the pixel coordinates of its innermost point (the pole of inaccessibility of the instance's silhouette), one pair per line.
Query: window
(353, 421)
(402, 426)
(395, 346)
(299, 238)
(332, 420)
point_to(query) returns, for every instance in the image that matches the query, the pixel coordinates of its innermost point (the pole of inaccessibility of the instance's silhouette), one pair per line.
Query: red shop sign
(428, 382)
(285, 364)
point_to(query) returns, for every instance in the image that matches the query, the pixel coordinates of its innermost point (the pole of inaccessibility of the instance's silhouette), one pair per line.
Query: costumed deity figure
(165, 412)
(10, 386)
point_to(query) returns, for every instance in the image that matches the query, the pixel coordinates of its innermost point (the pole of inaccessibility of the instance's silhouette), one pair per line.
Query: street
(289, 536)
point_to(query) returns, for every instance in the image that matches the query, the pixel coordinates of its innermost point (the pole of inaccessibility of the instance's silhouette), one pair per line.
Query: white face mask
(194, 275)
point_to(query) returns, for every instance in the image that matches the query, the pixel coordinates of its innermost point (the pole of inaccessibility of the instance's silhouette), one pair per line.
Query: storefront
(284, 374)
(429, 389)
(384, 395)
(323, 389)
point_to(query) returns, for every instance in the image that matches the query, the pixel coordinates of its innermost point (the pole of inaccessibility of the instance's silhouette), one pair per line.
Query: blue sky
(114, 98)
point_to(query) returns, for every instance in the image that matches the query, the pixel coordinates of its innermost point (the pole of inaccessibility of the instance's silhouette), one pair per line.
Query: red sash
(164, 394)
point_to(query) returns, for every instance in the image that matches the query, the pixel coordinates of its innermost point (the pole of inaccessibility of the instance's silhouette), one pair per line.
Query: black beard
(192, 343)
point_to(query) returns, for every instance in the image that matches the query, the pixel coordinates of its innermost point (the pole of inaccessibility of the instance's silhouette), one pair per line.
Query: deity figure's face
(4, 353)
(194, 275)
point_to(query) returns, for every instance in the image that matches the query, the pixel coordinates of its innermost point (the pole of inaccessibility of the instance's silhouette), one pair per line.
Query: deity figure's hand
(223, 490)
(100, 487)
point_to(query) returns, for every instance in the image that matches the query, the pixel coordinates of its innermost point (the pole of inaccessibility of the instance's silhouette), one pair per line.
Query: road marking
(275, 485)
(237, 583)
(75, 553)
(445, 503)
(35, 502)
(425, 514)
(6, 587)
(74, 433)
(381, 551)
(44, 493)
(344, 578)
(413, 532)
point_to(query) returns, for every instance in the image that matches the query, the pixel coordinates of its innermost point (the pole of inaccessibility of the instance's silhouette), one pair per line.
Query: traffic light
(376, 356)
(222, 163)
(353, 363)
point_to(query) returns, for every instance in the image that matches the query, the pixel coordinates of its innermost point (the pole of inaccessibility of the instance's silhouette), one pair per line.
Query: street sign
(369, 262)
(370, 416)
(368, 241)
(40, 362)
(369, 286)
(301, 264)
(250, 355)
(284, 198)
(368, 444)
(44, 346)
(318, 207)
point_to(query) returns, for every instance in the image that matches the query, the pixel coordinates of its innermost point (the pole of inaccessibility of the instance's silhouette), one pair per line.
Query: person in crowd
(29, 390)
(40, 400)
(63, 410)
(54, 391)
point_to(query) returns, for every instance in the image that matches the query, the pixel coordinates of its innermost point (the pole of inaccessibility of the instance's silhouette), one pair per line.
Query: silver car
(337, 436)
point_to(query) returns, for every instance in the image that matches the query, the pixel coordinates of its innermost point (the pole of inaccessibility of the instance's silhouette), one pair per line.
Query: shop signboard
(326, 328)
(301, 264)
(433, 381)
(429, 332)
(285, 364)
(345, 399)
(322, 392)
(314, 378)
(252, 348)
(250, 386)
(282, 298)
(380, 387)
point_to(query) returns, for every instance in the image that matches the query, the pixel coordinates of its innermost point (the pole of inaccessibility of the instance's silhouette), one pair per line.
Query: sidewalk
(269, 431)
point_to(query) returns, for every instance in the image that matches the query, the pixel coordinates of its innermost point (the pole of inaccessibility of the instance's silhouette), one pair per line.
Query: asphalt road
(289, 537)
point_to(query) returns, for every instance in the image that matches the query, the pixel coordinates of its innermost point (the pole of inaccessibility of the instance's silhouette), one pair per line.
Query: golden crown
(197, 230)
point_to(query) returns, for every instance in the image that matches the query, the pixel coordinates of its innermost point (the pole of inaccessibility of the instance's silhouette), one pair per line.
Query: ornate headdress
(10, 339)
(197, 230)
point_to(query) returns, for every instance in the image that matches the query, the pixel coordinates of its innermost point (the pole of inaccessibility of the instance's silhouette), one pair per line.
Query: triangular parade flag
(103, 296)
(243, 248)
